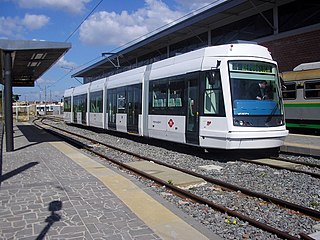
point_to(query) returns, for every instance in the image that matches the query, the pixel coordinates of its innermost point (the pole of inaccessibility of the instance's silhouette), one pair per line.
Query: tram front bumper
(244, 140)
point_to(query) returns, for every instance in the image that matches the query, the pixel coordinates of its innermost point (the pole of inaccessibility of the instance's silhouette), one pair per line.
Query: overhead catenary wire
(158, 29)
(84, 20)
(203, 8)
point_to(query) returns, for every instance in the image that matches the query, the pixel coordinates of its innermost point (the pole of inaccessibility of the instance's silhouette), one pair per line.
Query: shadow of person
(54, 217)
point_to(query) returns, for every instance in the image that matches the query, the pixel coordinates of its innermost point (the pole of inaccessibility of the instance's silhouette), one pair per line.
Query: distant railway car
(48, 108)
(209, 98)
(302, 97)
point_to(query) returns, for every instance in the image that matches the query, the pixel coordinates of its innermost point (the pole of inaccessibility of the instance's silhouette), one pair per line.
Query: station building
(290, 29)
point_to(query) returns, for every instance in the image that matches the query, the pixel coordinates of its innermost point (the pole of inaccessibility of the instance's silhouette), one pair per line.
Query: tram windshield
(255, 92)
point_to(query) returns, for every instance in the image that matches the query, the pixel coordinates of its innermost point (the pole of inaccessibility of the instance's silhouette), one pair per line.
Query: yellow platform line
(161, 220)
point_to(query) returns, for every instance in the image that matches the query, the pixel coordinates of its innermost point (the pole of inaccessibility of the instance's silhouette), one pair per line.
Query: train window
(121, 101)
(254, 91)
(67, 104)
(80, 106)
(96, 102)
(134, 107)
(167, 96)
(312, 89)
(159, 94)
(175, 94)
(213, 97)
(290, 91)
(112, 103)
(134, 95)
(80, 103)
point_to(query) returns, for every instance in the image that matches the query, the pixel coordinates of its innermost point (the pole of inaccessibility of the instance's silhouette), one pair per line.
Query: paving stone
(145, 237)
(71, 229)
(29, 216)
(28, 238)
(24, 232)
(21, 223)
(11, 230)
(139, 232)
(89, 209)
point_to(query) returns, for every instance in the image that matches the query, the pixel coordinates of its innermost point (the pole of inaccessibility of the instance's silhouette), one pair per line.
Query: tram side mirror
(214, 76)
(283, 86)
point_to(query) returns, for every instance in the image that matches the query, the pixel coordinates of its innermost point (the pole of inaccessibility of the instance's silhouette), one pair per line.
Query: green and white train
(302, 97)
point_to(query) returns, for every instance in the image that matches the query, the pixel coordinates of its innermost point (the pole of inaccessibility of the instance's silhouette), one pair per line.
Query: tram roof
(221, 14)
(301, 75)
(30, 59)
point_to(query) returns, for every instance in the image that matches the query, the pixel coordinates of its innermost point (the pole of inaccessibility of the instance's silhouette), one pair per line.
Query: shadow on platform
(17, 171)
(34, 134)
(54, 217)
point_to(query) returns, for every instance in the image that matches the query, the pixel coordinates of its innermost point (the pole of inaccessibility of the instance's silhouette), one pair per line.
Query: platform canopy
(30, 59)
(223, 13)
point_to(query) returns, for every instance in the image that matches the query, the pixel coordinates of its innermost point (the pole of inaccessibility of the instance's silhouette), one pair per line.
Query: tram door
(134, 107)
(192, 119)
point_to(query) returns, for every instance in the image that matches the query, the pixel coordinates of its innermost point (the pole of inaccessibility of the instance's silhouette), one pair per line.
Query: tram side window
(80, 103)
(96, 102)
(290, 91)
(158, 94)
(213, 97)
(175, 94)
(121, 101)
(167, 96)
(80, 106)
(67, 104)
(312, 89)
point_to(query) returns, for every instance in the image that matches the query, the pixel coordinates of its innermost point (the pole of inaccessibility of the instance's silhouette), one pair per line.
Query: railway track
(291, 165)
(187, 194)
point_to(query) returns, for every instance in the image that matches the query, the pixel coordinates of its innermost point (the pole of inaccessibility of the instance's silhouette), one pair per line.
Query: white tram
(199, 98)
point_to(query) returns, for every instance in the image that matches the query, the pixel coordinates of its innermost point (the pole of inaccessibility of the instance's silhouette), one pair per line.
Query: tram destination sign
(251, 67)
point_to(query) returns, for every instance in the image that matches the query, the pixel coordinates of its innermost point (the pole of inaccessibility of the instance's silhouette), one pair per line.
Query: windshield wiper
(276, 107)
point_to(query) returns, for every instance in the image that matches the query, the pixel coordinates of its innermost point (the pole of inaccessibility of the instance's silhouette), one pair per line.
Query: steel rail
(298, 162)
(312, 174)
(260, 225)
(307, 211)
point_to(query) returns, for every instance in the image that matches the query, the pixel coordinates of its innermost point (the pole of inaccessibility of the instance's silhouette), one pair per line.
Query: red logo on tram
(170, 123)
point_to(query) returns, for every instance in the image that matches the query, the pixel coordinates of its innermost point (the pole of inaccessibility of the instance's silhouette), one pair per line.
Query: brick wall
(294, 50)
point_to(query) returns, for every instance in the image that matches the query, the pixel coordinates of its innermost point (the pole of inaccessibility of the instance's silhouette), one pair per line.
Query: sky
(91, 26)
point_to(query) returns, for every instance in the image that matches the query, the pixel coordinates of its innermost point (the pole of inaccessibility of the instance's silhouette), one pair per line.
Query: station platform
(302, 144)
(51, 190)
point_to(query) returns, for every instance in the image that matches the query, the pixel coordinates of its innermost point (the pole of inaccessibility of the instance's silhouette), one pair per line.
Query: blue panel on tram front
(255, 107)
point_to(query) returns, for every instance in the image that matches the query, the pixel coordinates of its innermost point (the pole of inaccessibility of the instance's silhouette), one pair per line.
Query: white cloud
(73, 6)
(110, 28)
(193, 5)
(10, 27)
(116, 29)
(66, 64)
(15, 27)
(44, 82)
(33, 22)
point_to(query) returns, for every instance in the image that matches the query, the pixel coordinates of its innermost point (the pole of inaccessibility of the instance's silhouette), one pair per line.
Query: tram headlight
(242, 123)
